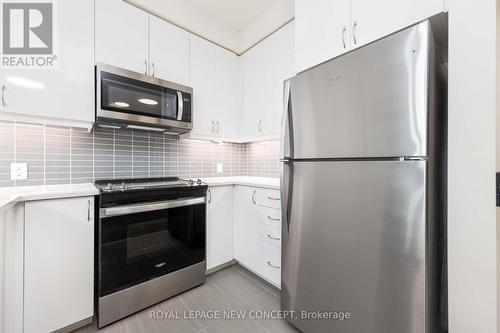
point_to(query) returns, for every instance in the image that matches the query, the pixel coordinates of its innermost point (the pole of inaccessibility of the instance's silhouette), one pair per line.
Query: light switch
(18, 171)
(219, 167)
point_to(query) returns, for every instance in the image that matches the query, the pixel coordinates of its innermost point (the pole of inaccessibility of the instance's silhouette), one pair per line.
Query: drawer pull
(253, 197)
(269, 263)
(273, 198)
(273, 238)
(273, 219)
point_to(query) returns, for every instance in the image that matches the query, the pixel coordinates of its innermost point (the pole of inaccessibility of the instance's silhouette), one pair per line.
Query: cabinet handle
(209, 196)
(273, 266)
(343, 37)
(253, 197)
(273, 238)
(218, 127)
(273, 198)
(153, 68)
(146, 67)
(88, 210)
(273, 219)
(3, 96)
(259, 126)
(354, 29)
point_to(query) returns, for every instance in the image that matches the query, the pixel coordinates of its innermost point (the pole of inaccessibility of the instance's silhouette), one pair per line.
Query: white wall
(471, 200)
(194, 20)
(276, 16)
(183, 15)
(498, 156)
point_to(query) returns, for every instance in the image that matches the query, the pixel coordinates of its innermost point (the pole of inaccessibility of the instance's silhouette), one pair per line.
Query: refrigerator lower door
(354, 241)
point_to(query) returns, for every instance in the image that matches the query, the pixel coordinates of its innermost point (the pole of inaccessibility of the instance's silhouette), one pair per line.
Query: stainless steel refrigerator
(363, 180)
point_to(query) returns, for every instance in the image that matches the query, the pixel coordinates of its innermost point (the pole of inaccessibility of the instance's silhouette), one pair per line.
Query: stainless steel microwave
(126, 99)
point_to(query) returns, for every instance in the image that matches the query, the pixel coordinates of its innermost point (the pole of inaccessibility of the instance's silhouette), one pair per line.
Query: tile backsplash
(63, 155)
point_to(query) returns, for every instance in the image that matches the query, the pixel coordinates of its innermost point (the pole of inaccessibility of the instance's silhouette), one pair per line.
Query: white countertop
(265, 182)
(12, 195)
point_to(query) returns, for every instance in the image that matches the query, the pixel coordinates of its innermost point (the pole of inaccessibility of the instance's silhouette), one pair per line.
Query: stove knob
(198, 182)
(191, 182)
(122, 186)
(109, 187)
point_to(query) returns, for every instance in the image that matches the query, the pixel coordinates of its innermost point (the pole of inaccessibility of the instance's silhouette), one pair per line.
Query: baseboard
(75, 326)
(221, 266)
(260, 277)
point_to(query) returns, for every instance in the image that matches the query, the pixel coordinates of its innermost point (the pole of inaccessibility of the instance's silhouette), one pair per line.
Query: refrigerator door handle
(286, 188)
(286, 145)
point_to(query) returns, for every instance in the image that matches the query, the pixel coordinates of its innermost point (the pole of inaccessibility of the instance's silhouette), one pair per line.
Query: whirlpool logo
(28, 32)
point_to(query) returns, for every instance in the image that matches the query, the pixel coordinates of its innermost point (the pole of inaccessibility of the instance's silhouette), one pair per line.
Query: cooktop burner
(123, 185)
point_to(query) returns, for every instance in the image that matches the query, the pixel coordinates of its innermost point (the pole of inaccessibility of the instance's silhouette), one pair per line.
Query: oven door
(142, 241)
(136, 98)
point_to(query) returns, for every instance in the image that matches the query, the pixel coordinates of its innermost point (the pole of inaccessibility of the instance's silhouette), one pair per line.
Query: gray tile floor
(233, 288)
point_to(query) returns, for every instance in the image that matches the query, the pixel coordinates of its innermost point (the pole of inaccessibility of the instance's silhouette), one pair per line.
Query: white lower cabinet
(258, 233)
(58, 263)
(220, 245)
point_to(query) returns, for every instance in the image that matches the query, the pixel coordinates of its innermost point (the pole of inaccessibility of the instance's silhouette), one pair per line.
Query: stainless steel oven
(151, 244)
(126, 99)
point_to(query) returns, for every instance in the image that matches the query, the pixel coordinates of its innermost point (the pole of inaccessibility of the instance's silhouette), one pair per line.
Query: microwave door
(126, 99)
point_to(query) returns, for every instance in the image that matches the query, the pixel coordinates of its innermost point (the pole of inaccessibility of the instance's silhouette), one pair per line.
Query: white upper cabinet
(290, 68)
(322, 31)
(372, 20)
(264, 71)
(214, 81)
(66, 91)
(330, 28)
(121, 37)
(169, 51)
(202, 68)
(227, 115)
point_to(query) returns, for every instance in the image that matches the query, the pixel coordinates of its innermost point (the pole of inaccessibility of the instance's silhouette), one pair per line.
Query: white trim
(23, 118)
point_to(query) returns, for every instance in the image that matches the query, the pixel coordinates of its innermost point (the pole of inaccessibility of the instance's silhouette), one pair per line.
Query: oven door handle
(149, 207)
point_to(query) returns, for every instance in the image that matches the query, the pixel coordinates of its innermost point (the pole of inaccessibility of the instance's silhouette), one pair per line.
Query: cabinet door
(246, 229)
(219, 226)
(264, 70)
(290, 50)
(202, 68)
(65, 91)
(372, 20)
(169, 51)
(59, 263)
(121, 37)
(322, 31)
(227, 116)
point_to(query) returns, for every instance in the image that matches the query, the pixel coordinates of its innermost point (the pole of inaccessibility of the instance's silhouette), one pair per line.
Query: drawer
(270, 263)
(268, 198)
(270, 216)
(270, 235)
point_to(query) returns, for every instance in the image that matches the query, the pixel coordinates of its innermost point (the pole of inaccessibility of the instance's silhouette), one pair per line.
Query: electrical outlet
(219, 167)
(18, 171)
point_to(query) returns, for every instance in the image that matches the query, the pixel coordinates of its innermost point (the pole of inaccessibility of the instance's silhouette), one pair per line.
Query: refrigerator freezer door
(355, 241)
(371, 102)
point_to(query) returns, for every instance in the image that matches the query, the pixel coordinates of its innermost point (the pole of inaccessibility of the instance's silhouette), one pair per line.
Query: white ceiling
(235, 13)
(234, 24)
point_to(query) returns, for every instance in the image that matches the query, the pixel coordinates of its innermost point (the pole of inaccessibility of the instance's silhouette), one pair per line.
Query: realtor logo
(28, 34)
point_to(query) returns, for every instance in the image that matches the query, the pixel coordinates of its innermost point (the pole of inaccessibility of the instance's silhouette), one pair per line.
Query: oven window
(139, 247)
(126, 95)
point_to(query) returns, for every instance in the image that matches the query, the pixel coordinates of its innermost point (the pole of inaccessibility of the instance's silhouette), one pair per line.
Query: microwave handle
(180, 102)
